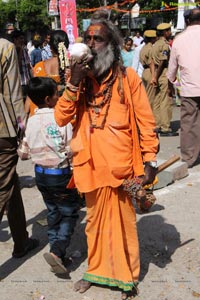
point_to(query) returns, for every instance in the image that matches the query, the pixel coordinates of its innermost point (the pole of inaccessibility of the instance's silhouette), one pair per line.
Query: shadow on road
(158, 242)
(77, 245)
(38, 232)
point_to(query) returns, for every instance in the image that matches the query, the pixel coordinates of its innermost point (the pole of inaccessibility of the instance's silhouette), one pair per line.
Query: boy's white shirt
(48, 143)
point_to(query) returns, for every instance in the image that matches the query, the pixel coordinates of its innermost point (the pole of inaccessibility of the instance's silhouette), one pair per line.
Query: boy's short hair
(39, 88)
(37, 43)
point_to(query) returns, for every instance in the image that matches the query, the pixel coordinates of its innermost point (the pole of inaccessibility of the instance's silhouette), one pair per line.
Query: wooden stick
(168, 163)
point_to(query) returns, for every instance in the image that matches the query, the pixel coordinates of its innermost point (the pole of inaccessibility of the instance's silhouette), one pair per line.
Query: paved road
(169, 242)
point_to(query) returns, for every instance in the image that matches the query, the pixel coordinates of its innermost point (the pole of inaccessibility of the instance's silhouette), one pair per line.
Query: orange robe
(103, 158)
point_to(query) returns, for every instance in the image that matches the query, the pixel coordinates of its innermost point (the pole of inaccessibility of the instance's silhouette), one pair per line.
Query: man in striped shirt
(24, 62)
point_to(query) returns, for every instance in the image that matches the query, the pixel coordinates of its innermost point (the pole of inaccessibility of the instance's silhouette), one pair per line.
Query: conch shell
(80, 50)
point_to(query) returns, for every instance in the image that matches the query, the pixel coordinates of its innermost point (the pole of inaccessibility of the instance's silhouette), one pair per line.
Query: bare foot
(82, 286)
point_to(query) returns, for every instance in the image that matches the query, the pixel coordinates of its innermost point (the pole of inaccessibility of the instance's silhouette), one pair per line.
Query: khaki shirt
(146, 54)
(161, 51)
(11, 101)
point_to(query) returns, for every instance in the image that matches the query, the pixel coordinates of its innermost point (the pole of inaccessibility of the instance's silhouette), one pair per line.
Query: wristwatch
(151, 163)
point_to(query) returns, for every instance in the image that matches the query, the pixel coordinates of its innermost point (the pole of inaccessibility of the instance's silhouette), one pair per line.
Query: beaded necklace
(93, 107)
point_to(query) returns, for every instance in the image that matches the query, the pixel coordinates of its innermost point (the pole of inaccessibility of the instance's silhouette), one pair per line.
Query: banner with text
(68, 19)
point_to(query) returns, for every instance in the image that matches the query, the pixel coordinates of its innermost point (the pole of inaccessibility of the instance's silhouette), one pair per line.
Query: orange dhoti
(113, 250)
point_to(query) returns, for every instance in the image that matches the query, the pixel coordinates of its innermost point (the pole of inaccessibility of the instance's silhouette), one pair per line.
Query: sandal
(82, 286)
(55, 262)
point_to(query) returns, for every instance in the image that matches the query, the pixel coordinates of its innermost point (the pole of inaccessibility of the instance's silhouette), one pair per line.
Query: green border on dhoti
(110, 282)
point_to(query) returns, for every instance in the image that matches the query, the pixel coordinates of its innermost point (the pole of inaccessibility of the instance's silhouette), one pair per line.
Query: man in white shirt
(185, 55)
(136, 65)
(137, 39)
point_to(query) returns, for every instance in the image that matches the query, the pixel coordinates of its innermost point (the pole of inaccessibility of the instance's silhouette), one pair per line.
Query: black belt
(42, 170)
(165, 65)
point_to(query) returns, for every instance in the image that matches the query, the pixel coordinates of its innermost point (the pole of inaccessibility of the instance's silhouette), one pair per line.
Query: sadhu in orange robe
(103, 158)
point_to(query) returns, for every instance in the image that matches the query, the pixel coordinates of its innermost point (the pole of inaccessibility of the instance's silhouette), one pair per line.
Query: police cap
(150, 33)
(163, 26)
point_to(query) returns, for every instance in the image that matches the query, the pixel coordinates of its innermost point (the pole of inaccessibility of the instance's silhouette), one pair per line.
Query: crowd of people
(92, 126)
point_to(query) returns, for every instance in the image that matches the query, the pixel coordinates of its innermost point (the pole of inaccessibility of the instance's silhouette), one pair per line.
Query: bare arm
(27, 105)
(173, 65)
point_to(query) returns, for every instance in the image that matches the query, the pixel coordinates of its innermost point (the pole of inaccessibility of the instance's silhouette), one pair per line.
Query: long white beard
(103, 61)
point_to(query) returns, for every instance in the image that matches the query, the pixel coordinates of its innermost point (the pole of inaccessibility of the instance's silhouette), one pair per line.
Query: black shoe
(168, 133)
(157, 130)
(32, 244)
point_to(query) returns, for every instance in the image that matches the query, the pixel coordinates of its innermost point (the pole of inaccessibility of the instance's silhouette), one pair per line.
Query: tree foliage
(29, 14)
(32, 13)
(8, 12)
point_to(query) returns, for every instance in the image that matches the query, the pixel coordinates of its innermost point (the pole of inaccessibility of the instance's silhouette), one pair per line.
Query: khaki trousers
(10, 194)
(150, 89)
(163, 104)
(190, 129)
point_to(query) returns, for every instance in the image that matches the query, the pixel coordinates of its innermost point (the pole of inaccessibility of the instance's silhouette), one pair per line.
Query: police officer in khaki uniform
(162, 103)
(146, 59)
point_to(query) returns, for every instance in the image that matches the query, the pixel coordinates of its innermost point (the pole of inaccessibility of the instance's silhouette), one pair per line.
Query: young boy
(50, 152)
